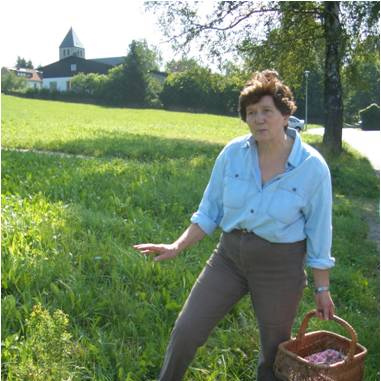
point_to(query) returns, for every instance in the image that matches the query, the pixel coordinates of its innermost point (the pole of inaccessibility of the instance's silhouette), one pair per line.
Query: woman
(270, 193)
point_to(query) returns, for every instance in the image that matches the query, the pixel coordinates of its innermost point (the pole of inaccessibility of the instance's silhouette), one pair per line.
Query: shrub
(10, 81)
(370, 117)
(189, 89)
(91, 84)
(198, 89)
(47, 351)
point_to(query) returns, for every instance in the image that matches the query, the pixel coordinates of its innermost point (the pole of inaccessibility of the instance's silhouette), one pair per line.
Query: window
(73, 67)
(52, 85)
(68, 86)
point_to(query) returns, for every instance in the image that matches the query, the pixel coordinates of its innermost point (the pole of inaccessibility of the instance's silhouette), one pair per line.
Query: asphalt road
(368, 143)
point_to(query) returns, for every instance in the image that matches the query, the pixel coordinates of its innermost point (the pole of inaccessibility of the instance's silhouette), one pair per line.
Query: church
(72, 60)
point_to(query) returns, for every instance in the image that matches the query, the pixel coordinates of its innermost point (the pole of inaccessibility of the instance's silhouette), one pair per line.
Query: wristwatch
(321, 289)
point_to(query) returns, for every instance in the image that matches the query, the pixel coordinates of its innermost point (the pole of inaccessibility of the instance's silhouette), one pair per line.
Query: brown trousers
(273, 274)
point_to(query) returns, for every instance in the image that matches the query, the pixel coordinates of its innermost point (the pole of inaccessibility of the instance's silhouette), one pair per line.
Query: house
(33, 77)
(57, 75)
(72, 60)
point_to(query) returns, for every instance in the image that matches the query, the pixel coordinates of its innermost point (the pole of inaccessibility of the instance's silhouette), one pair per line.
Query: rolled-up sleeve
(318, 227)
(210, 210)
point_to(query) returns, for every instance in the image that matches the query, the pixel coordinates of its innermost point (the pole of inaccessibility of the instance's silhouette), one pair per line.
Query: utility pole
(306, 74)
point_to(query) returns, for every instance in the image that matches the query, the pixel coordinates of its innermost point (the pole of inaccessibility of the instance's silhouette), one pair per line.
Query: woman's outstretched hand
(167, 251)
(164, 251)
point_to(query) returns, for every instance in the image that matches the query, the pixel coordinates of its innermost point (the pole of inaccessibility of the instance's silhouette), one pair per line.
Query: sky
(34, 30)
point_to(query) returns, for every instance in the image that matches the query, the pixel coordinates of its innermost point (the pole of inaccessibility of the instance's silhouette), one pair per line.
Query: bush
(370, 117)
(47, 351)
(11, 82)
(198, 89)
(91, 84)
(189, 89)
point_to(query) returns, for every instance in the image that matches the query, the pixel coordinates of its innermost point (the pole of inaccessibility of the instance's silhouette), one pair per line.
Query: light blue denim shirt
(293, 206)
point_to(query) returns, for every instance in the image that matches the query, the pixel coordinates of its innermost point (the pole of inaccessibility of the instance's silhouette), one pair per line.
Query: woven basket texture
(290, 364)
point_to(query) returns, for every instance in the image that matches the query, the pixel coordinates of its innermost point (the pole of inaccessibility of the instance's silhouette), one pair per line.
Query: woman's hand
(324, 305)
(164, 251)
(190, 236)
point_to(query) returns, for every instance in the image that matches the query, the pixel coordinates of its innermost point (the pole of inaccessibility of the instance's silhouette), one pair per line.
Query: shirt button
(294, 189)
(251, 210)
(236, 175)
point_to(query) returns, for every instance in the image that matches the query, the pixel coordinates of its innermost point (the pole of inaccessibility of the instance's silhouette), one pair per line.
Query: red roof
(28, 74)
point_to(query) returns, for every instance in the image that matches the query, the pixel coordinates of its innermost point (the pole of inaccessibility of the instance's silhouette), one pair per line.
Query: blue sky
(34, 30)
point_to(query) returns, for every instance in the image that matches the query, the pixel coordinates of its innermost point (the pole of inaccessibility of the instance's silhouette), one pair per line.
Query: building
(32, 77)
(71, 46)
(57, 75)
(72, 61)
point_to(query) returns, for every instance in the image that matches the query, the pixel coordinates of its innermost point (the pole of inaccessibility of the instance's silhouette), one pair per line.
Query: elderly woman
(270, 193)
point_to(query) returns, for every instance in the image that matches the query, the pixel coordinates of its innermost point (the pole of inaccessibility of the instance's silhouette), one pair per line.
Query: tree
(136, 80)
(361, 78)
(23, 64)
(91, 84)
(178, 66)
(333, 97)
(284, 49)
(249, 24)
(189, 89)
(10, 81)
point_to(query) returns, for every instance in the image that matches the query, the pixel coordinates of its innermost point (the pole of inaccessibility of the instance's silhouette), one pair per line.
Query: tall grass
(79, 303)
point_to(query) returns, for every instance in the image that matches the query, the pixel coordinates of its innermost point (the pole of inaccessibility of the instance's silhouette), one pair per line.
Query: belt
(241, 231)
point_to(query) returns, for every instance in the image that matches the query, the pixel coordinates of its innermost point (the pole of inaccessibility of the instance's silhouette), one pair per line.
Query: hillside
(79, 303)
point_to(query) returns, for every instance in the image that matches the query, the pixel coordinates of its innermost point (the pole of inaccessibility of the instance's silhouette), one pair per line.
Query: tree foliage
(11, 82)
(91, 84)
(361, 78)
(178, 66)
(198, 89)
(130, 83)
(22, 63)
(140, 61)
(288, 36)
(370, 117)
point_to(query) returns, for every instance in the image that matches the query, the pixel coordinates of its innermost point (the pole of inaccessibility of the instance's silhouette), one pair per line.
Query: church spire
(71, 46)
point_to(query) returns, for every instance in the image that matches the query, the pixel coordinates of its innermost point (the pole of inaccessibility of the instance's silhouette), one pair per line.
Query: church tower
(71, 46)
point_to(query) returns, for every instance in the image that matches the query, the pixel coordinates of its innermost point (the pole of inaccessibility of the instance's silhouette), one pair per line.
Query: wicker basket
(290, 364)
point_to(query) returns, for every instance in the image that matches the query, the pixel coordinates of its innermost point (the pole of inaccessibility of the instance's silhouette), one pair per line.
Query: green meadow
(81, 184)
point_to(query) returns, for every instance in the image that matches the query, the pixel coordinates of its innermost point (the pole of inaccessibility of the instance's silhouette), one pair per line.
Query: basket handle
(342, 322)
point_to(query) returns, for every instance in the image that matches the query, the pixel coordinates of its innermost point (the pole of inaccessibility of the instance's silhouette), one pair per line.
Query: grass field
(78, 303)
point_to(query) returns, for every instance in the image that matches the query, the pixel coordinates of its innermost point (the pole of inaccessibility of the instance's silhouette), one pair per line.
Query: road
(368, 143)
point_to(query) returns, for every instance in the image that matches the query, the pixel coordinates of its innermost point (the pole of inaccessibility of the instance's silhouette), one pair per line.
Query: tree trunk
(333, 101)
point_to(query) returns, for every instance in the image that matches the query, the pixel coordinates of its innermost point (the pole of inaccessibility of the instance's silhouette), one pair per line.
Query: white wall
(34, 84)
(61, 83)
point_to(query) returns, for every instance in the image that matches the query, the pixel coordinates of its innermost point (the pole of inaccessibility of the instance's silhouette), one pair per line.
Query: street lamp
(306, 74)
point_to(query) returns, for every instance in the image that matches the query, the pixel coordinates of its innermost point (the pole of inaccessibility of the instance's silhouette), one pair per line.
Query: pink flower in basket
(327, 357)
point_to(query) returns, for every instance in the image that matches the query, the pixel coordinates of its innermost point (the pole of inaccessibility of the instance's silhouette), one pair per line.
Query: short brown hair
(264, 83)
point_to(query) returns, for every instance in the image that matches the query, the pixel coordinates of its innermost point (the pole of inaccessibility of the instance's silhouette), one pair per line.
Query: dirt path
(370, 208)
(44, 152)
(371, 213)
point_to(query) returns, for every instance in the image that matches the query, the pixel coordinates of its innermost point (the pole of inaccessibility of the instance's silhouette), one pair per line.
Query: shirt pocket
(286, 204)
(235, 191)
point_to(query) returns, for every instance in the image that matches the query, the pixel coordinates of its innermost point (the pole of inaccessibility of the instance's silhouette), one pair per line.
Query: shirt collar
(248, 141)
(296, 154)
